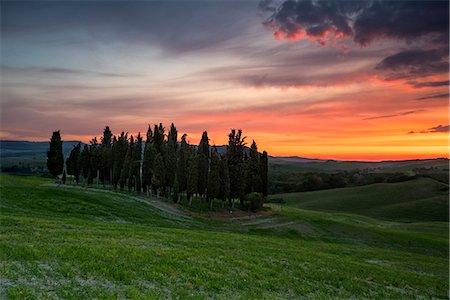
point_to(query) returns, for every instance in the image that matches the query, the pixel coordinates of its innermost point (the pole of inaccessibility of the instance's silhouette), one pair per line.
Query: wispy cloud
(438, 96)
(436, 129)
(394, 115)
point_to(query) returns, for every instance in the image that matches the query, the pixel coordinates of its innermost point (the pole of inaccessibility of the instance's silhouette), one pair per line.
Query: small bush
(253, 201)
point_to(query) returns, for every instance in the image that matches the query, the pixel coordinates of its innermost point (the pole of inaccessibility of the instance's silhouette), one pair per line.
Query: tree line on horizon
(163, 166)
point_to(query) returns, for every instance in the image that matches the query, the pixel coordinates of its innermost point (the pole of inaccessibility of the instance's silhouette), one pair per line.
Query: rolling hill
(422, 199)
(83, 243)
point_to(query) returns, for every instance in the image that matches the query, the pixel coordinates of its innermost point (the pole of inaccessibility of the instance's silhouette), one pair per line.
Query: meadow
(81, 243)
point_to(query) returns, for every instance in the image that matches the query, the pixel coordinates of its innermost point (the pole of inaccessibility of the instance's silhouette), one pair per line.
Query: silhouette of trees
(167, 167)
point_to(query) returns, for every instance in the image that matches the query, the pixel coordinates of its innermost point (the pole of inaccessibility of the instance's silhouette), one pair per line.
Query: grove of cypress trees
(55, 159)
(167, 167)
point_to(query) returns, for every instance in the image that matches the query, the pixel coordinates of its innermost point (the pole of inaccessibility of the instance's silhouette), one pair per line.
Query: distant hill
(36, 149)
(13, 152)
(295, 164)
(422, 199)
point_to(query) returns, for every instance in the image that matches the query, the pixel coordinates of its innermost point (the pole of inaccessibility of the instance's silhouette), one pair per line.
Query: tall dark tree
(192, 175)
(264, 166)
(158, 137)
(213, 189)
(171, 161)
(235, 155)
(125, 172)
(106, 155)
(135, 166)
(224, 176)
(182, 163)
(73, 162)
(95, 161)
(55, 159)
(120, 148)
(148, 160)
(203, 163)
(254, 178)
(159, 173)
(85, 162)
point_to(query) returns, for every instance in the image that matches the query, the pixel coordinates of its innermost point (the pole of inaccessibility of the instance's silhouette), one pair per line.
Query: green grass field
(73, 243)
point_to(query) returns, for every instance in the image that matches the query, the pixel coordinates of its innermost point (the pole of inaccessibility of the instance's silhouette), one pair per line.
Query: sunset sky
(325, 79)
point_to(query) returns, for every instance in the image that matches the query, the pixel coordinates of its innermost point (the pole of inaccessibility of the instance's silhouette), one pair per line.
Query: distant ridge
(11, 148)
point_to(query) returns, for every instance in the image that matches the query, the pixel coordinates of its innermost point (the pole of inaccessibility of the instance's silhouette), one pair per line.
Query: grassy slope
(422, 199)
(74, 243)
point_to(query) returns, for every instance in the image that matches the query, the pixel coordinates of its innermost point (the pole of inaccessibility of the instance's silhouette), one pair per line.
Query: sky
(352, 80)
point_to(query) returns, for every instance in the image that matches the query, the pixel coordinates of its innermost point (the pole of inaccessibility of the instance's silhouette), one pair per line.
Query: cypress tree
(192, 175)
(94, 161)
(55, 159)
(106, 155)
(171, 162)
(182, 163)
(235, 154)
(120, 148)
(203, 163)
(73, 163)
(158, 137)
(213, 189)
(159, 173)
(147, 161)
(254, 179)
(264, 167)
(224, 177)
(126, 165)
(135, 167)
(85, 162)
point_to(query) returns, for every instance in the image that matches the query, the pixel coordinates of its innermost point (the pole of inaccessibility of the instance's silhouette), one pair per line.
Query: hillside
(295, 164)
(422, 199)
(71, 242)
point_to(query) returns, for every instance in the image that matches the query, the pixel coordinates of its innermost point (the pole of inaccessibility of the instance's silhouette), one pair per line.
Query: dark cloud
(436, 129)
(438, 96)
(394, 115)
(401, 20)
(439, 128)
(429, 84)
(412, 64)
(331, 22)
(363, 21)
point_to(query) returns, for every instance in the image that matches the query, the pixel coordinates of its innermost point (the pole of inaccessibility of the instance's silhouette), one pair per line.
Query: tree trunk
(211, 204)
